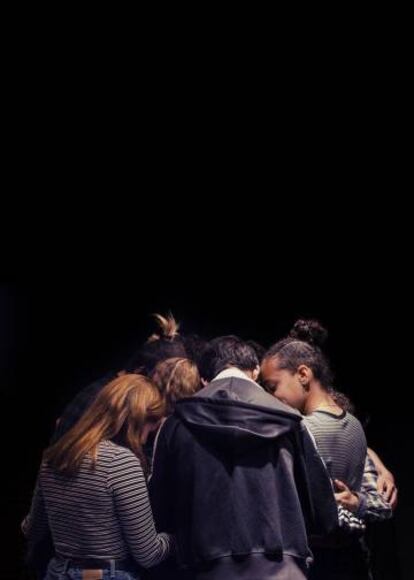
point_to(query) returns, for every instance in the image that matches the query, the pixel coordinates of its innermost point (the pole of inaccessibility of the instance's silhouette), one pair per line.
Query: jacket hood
(236, 411)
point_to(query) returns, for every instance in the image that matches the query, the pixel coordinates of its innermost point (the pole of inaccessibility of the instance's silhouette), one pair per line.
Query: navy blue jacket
(236, 472)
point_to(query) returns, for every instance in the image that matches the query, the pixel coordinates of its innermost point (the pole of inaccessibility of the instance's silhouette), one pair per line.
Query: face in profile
(283, 383)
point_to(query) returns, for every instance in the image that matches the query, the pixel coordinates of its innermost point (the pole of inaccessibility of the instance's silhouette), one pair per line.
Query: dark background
(333, 132)
(58, 336)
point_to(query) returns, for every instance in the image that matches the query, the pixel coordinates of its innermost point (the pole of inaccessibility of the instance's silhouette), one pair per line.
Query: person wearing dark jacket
(237, 477)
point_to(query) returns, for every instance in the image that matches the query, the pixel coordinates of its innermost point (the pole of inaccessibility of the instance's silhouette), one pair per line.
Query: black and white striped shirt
(98, 513)
(341, 443)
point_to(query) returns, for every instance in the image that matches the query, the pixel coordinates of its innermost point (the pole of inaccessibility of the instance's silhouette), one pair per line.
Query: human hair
(343, 401)
(165, 343)
(303, 347)
(119, 413)
(258, 349)
(224, 352)
(176, 378)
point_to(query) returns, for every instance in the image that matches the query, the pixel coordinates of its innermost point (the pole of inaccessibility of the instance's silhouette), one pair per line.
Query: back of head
(224, 352)
(195, 346)
(165, 343)
(119, 413)
(302, 346)
(176, 379)
(258, 349)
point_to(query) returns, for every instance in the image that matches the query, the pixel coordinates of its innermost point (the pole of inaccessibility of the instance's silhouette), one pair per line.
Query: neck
(319, 398)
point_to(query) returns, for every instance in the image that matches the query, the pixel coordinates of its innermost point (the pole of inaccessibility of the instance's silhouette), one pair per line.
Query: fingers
(388, 490)
(393, 498)
(381, 484)
(340, 485)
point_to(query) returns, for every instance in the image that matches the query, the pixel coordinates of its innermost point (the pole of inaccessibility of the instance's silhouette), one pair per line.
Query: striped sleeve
(373, 506)
(127, 482)
(35, 525)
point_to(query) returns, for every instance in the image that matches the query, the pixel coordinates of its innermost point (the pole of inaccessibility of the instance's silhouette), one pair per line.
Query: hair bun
(310, 331)
(168, 327)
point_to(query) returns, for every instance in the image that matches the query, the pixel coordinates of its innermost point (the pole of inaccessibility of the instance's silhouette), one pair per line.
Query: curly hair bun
(310, 331)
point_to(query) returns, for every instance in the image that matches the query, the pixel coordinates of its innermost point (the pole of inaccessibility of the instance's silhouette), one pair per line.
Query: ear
(305, 376)
(256, 373)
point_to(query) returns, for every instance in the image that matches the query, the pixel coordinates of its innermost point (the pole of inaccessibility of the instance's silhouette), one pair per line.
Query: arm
(373, 506)
(345, 497)
(127, 482)
(321, 502)
(386, 482)
(35, 525)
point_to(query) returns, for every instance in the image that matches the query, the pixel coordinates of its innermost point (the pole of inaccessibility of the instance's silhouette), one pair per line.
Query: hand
(387, 488)
(345, 497)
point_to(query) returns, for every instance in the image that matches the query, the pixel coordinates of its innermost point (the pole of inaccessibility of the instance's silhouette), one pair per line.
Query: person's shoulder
(354, 421)
(118, 454)
(312, 418)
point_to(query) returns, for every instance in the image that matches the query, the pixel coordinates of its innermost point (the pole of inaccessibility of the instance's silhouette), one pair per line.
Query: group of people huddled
(209, 460)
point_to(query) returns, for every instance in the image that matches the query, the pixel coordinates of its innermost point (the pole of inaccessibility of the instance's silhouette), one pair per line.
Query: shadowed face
(283, 383)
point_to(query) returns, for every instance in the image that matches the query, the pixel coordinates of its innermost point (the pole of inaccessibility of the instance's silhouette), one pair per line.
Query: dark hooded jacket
(236, 473)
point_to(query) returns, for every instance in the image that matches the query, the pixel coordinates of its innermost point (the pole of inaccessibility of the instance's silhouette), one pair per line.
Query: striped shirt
(98, 513)
(333, 435)
(341, 443)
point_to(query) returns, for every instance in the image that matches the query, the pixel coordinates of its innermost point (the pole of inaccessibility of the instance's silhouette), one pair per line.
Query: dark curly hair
(303, 347)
